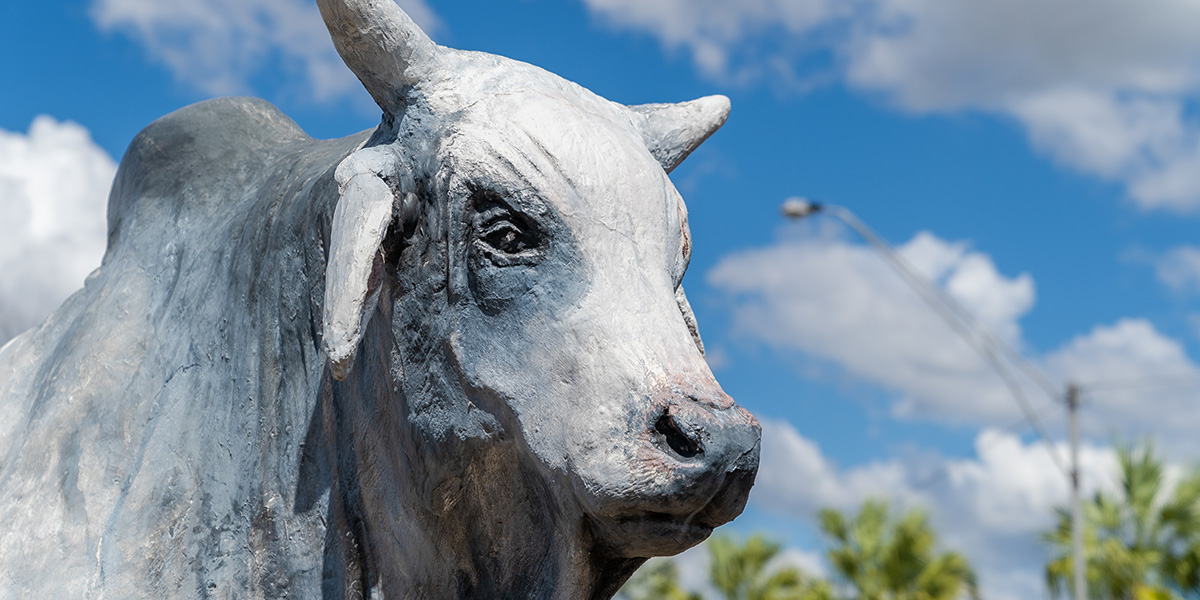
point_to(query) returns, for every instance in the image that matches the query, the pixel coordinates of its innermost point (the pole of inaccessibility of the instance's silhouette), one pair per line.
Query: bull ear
(382, 45)
(672, 131)
(689, 318)
(366, 207)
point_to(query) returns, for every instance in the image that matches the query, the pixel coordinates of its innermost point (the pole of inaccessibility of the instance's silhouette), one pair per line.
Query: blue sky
(1040, 161)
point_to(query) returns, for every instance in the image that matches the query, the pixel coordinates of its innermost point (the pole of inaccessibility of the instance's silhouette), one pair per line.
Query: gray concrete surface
(448, 358)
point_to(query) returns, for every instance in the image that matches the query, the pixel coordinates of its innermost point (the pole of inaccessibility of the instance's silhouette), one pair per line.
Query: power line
(1148, 382)
(994, 350)
(997, 353)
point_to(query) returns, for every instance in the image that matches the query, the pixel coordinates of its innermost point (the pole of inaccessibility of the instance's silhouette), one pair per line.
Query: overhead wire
(995, 351)
(1139, 383)
(946, 302)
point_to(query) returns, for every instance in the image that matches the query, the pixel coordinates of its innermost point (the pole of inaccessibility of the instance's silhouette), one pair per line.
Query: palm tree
(657, 580)
(1142, 542)
(894, 559)
(739, 572)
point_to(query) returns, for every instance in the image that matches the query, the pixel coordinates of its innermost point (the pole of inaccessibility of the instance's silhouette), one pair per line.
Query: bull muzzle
(714, 441)
(697, 462)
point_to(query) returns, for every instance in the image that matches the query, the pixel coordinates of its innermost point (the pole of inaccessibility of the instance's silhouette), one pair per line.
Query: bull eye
(505, 236)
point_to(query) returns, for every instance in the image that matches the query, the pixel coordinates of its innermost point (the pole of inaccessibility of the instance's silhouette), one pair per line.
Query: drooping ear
(382, 45)
(672, 131)
(366, 207)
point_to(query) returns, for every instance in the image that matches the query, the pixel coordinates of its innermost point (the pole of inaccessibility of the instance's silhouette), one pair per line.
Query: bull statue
(446, 358)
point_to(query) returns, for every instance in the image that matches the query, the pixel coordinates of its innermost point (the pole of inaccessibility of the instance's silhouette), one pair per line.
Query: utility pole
(1076, 497)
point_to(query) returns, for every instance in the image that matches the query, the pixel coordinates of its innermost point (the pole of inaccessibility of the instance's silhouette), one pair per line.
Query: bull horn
(672, 131)
(381, 45)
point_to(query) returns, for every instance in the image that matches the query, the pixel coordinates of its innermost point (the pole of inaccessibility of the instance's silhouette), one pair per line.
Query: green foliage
(878, 557)
(1140, 543)
(658, 580)
(885, 558)
(739, 572)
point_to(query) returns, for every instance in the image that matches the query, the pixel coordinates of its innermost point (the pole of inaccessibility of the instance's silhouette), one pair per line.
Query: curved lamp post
(991, 348)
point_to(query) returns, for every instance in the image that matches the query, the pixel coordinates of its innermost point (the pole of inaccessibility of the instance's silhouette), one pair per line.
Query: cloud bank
(54, 184)
(1108, 91)
(991, 507)
(838, 305)
(217, 46)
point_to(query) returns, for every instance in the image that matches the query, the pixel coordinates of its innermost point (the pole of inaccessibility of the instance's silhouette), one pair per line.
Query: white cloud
(991, 507)
(1132, 376)
(1009, 488)
(1179, 269)
(932, 54)
(54, 184)
(795, 477)
(713, 30)
(1105, 90)
(218, 45)
(838, 303)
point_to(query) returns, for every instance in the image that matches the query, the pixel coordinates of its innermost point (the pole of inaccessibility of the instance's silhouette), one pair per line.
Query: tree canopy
(874, 555)
(1141, 542)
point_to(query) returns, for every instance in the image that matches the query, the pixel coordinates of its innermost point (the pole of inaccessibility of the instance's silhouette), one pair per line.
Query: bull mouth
(669, 520)
(654, 533)
(646, 529)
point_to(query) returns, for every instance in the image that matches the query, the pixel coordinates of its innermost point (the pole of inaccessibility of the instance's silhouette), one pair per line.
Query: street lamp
(798, 208)
(990, 347)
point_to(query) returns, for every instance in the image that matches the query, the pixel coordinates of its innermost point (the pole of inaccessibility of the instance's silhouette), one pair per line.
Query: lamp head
(798, 207)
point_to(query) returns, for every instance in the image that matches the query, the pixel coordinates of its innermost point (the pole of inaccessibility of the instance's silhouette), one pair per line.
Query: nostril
(676, 438)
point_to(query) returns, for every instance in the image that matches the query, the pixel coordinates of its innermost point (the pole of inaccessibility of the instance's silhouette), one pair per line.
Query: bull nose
(713, 430)
(717, 440)
(677, 437)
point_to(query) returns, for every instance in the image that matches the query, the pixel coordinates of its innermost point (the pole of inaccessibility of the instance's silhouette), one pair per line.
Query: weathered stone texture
(449, 357)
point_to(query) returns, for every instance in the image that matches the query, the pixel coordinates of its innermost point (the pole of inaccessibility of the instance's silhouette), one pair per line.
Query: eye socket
(504, 235)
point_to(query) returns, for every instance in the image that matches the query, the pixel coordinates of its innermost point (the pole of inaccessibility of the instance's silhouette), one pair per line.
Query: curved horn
(672, 131)
(382, 45)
